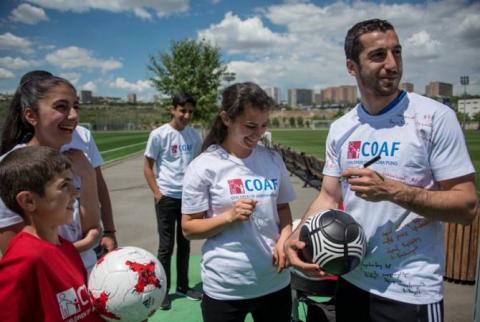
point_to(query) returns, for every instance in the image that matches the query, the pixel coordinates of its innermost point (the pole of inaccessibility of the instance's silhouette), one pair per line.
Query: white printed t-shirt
(420, 143)
(172, 151)
(237, 262)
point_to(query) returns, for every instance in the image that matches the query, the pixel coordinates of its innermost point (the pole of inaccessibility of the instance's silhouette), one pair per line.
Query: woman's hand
(242, 210)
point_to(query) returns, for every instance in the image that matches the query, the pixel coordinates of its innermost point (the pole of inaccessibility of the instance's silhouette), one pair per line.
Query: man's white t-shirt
(420, 143)
(172, 151)
(237, 262)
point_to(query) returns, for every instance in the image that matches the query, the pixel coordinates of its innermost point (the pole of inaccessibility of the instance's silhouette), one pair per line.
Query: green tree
(193, 67)
(299, 121)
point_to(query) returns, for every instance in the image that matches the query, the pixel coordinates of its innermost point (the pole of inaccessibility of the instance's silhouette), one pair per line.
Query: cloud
(247, 36)
(421, 45)
(139, 8)
(9, 41)
(6, 74)
(17, 62)
(75, 57)
(28, 14)
(138, 87)
(298, 44)
(73, 78)
(89, 86)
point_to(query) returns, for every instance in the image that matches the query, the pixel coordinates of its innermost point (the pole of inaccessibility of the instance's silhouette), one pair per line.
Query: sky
(104, 45)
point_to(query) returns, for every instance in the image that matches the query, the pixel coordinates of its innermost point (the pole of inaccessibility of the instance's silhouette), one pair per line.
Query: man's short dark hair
(29, 169)
(353, 46)
(181, 99)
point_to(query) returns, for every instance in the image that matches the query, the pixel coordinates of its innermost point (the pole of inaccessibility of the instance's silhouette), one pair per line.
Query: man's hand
(368, 184)
(292, 248)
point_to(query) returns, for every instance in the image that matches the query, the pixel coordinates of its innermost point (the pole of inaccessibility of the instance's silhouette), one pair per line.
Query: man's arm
(329, 197)
(456, 201)
(150, 177)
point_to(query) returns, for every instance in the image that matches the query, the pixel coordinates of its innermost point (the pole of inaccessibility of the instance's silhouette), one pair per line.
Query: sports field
(116, 145)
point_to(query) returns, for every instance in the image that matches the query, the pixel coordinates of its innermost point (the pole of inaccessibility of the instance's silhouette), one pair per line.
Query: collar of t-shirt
(390, 105)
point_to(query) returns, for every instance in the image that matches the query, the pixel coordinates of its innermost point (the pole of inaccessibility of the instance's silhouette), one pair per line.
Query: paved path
(136, 225)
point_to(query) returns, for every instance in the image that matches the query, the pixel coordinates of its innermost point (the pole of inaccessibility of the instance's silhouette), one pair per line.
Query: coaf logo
(236, 186)
(353, 149)
(71, 301)
(239, 186)
(175, 148)
(369, 149)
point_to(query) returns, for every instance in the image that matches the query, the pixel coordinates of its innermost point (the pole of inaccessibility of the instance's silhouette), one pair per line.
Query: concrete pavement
(136, 225)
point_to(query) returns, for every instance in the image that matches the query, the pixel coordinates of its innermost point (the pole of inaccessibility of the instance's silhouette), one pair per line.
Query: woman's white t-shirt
(237, 262)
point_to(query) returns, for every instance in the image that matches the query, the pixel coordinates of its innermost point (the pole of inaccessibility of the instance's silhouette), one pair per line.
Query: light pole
(229, 77)
(464, 80)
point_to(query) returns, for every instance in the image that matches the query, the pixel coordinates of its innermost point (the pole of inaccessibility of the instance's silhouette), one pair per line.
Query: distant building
(471, 106)
(345, 94)
(274, 93)
(86, 97)
(106, 99)
(438, 89)
(132, 98)
(408, 87)
(299, 97)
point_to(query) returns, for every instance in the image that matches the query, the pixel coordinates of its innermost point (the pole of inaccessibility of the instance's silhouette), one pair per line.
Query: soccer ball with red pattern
(127, 284)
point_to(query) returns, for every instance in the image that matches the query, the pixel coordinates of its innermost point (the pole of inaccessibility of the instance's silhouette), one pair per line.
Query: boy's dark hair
(181, 99)
(29, 169)
(353, 46)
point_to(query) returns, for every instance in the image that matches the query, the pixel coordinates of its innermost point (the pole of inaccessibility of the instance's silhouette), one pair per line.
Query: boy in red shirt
(42, 277)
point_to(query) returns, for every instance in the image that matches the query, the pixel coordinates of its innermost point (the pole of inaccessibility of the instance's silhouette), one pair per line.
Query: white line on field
(121, 148)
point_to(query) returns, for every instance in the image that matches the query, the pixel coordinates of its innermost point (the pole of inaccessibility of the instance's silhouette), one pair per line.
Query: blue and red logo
(185, 148)
(242, 186)
(357, 149)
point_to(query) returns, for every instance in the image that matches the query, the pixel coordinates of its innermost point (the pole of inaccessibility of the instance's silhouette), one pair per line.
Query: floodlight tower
(464, 80)
(229, 77)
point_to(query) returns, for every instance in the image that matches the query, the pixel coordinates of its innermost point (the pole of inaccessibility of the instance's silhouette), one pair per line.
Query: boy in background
(170, 148)
(42, 277)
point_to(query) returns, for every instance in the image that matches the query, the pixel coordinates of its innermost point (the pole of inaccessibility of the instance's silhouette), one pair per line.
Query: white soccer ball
(333, 240)
(127, 284)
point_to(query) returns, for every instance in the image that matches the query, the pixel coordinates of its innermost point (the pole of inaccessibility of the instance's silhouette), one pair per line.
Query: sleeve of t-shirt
(286, 193)
(198, 145)
(7, 217)
(332, 163)
(449, 156)
(195, 193)
(153, 147)
(93, 153)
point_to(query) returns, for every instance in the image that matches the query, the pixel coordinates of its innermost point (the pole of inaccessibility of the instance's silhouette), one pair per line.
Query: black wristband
(109, 232)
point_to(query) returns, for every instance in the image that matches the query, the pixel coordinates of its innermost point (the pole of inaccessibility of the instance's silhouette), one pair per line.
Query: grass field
(116, 145)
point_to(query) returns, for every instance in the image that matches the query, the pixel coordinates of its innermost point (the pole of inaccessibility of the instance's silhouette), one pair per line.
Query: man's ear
(27, 201)
(30, 116)
(351, 67)
(225, 118)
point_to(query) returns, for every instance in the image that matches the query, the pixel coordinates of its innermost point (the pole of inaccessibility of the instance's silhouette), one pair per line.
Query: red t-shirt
(44, 282)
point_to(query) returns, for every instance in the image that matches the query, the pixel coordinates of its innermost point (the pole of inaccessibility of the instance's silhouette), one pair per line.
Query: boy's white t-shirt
(172, 151)
(420, 143)
(237, 262)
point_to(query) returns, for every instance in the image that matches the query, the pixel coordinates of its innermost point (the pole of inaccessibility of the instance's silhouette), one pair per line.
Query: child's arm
(91, 239)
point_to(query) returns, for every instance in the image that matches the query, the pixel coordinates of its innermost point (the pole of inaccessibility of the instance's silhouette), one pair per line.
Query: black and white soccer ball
(333, 240)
